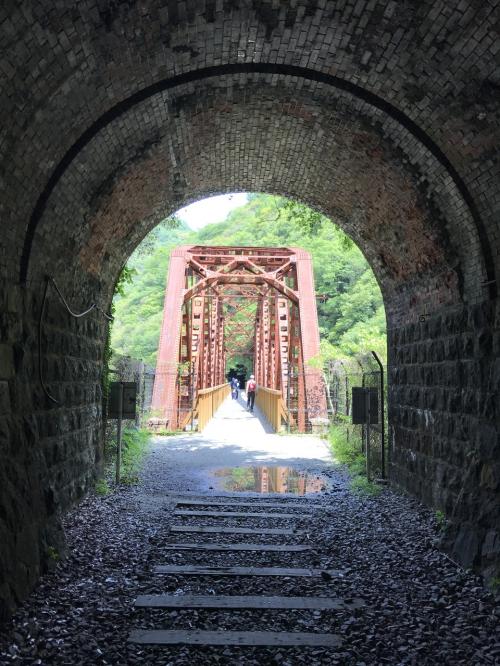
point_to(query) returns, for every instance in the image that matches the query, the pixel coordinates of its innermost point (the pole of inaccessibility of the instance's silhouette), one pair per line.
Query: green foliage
(125, 278)
(346, 447)
(303, 217)
(494, 585)
(139, 307)
(440, 520)
(184, 369)
(360, 484)
(135, 443)
(53, 554)
(350, 309)
(102, 487)
(158, 236)
(345, 442)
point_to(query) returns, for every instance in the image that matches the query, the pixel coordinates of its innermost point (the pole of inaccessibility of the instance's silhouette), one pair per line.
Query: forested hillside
(350, 309)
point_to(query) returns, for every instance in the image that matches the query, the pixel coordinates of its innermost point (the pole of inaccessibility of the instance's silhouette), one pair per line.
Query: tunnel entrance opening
(403, 155)
(346, 295)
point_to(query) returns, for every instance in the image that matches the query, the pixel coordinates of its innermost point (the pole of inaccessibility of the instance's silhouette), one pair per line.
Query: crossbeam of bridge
(215, 295)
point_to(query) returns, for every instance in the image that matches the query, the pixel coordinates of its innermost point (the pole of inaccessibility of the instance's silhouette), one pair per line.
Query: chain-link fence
(305, 399)
(175, 391)
(128, 369)
(341, 376)
(315, 400)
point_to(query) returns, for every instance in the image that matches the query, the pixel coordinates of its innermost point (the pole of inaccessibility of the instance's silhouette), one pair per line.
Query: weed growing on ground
(494, 585)
(345, 443)
(53, 554)
(135, 443)
(361, 485)
(346, 447)
(440, 520)
(102, 487)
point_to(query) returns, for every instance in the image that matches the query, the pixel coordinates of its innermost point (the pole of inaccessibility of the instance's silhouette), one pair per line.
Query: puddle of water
(267, 479)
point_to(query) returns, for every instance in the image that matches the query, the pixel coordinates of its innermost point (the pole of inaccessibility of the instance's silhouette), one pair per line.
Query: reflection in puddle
(270, 480)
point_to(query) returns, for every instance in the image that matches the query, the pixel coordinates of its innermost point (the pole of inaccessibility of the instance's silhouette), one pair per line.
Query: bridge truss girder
(207, 288)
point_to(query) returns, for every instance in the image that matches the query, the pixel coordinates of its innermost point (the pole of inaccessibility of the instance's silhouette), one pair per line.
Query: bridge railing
(208, 402)
(271, 403)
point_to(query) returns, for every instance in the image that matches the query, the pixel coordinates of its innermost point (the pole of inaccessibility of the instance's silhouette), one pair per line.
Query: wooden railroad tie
(289, 504)
(208, 529)
(250, 638)
(257, 547)
(200, 570)
(239, 514)
(244, 602)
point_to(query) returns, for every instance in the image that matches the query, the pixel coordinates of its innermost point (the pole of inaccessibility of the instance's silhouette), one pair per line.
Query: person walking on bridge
(251, 390)
(235, 385)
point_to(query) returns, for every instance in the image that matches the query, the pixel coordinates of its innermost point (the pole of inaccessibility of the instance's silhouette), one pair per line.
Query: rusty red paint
(193, 348)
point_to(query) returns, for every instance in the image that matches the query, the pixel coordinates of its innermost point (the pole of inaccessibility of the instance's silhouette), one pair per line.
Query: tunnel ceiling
(383, 115)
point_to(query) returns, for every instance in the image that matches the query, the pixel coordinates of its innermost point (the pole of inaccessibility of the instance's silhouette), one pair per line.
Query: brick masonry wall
(50, 452)
(391, 126)
(319, 148)
(444, 411)
(63, 68)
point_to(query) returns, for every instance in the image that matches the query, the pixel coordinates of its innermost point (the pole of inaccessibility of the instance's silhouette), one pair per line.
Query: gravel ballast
(420, 608)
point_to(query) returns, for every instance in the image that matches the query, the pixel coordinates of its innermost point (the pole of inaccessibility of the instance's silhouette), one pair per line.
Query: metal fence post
(288, 397)
(192, 396)
(367, 444)
(119, 435)
(363, 427)
(382, 409)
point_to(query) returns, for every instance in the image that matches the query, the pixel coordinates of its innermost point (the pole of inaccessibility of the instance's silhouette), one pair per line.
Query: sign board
(129, 398)
(359, 405)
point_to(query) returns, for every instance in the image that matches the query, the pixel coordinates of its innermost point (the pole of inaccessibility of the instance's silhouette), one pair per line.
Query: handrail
(269, 390)
(208, 402)
(270, 401)
(210, 389)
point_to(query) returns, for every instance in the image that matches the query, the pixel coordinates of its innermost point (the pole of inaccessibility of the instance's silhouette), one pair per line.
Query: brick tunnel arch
(355, 130)
(325, 132)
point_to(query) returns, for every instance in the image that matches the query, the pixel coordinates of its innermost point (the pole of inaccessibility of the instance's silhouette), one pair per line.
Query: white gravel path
(233, 438)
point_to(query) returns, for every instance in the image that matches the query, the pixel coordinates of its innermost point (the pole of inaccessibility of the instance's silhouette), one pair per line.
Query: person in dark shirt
(235, 385)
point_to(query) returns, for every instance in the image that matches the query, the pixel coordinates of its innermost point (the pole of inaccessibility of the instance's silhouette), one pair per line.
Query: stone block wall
(49, 453)
(444, 411)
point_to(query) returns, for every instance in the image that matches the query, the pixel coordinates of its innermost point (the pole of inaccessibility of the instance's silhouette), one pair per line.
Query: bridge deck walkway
(232, 419)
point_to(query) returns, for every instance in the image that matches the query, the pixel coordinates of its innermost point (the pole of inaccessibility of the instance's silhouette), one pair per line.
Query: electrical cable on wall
(77, 315)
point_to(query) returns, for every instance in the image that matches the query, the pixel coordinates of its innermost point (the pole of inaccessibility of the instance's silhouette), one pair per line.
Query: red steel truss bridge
(228, 302)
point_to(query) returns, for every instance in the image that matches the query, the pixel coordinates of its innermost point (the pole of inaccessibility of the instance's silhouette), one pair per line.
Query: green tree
(350, 308)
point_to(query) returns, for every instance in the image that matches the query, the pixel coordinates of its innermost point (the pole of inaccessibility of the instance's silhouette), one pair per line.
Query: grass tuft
(494, 585)
(346, 446)
(53, 554)
(440, 520)
(102, 487)
(361, 485)
(135, 444)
